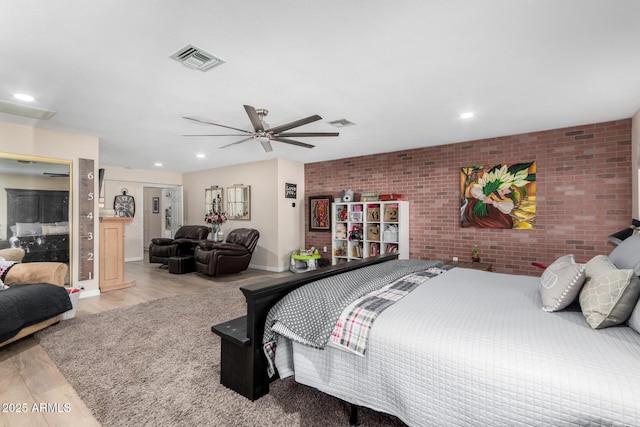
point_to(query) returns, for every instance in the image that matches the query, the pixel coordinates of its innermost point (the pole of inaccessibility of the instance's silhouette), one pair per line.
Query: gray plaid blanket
(309, 314)
(351, 331)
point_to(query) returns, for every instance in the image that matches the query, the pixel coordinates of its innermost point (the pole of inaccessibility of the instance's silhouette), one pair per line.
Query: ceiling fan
(263, 133)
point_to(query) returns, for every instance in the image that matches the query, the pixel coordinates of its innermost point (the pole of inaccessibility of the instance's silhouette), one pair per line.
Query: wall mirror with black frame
(35, 207)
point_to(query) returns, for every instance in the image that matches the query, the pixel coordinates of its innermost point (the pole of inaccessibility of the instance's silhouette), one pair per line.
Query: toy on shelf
(355, 233)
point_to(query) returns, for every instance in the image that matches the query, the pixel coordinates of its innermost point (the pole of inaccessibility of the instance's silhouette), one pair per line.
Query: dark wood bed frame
(243, 366)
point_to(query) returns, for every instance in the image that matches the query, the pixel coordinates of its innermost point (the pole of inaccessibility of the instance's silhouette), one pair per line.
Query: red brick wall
(583, 194)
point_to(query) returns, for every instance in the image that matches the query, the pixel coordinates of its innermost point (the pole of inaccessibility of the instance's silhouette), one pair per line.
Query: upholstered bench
(182, 264)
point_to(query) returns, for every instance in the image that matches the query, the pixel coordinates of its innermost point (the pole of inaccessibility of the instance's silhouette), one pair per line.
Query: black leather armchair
(232, 256)
(183, 243)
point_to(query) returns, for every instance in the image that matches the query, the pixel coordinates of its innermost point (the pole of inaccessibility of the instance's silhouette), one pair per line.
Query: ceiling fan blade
(295, 124)
(299, 134)
(292, 141)
(231, 134)
(237, 142)
(255, 119)
(215, 124)
(266, 144)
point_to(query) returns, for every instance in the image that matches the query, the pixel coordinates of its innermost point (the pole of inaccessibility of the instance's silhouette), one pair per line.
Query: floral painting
(320, 213)
(499, 196)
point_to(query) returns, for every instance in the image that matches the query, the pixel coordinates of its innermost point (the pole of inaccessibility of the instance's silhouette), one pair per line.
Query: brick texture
(584, 190)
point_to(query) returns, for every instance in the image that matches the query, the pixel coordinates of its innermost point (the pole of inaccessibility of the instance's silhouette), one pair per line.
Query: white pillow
(560, 283)
(28, 228)
(609, 295)
(627, 254)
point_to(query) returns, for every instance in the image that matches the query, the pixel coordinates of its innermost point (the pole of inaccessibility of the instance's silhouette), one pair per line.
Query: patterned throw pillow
(560, 283)
(609, 294)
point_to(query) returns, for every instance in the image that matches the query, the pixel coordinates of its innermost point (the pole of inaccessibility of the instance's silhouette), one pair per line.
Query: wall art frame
(320, 213)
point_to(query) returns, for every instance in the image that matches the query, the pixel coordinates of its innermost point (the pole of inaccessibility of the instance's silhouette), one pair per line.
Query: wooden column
(112, 254)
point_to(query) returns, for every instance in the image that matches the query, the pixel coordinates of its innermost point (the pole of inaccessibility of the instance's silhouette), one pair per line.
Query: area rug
(158, 364)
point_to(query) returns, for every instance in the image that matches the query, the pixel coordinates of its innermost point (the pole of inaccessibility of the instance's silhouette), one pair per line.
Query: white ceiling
(402, 71)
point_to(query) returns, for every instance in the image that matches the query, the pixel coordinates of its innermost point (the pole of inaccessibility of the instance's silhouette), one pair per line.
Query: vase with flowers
(215, 220)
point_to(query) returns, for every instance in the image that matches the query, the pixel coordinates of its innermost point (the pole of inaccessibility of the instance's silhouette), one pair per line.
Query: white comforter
(475, 348)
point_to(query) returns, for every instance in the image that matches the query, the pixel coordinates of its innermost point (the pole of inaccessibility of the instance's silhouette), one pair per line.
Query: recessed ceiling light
(467, 115)
(23, 97)
(200, 156)
(157, 164)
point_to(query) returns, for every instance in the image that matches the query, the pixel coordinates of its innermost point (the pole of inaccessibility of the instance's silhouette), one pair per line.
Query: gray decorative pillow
(609, 295)
(634, 320)
(627, 254)
(560, 283)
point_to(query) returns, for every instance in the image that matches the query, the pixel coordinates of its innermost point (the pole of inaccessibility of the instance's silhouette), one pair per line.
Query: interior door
(176, 209)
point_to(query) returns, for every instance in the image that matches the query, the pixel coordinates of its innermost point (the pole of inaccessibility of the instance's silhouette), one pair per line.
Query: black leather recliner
(183, 243)
(232, 256)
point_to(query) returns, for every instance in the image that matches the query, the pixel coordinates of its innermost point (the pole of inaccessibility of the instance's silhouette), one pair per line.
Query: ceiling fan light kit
(264, 134)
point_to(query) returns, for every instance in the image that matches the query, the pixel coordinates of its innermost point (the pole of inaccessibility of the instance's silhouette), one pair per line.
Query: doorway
(162, 212)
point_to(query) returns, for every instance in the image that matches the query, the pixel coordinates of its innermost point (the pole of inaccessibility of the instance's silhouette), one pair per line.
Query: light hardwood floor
(32, 384)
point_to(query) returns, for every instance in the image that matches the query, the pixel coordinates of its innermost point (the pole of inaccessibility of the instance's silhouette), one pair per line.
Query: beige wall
(27, 140)
(271, 214)
(153, 222)
(290, 218)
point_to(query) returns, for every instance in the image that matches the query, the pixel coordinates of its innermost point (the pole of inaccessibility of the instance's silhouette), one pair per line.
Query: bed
(464, 347)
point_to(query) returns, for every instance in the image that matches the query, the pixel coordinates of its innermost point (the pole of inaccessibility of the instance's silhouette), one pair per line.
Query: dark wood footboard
(243, 366)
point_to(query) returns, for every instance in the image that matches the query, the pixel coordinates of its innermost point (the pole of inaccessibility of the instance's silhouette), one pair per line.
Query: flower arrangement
(216, 218)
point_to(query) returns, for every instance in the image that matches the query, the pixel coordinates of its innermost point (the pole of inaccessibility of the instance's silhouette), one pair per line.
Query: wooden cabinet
(363, 229)
(112, 254)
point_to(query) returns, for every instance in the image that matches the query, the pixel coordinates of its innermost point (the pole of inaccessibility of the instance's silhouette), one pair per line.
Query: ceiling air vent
(196, 58)
(25, 110)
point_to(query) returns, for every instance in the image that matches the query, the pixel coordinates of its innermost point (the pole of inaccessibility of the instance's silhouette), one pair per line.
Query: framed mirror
(239, 202)
(35, 207)
(213, 200)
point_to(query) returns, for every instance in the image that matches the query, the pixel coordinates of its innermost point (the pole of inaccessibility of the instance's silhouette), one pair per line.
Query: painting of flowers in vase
(499, 196)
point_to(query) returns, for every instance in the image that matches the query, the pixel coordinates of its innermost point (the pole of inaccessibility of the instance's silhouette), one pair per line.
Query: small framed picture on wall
(290, 191)
(156, 204)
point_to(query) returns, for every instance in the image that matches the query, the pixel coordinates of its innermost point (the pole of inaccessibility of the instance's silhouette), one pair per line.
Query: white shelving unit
(364, 229)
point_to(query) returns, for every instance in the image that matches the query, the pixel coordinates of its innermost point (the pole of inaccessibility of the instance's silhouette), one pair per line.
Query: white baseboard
(133, 259)
(269, 269)
(87, 294)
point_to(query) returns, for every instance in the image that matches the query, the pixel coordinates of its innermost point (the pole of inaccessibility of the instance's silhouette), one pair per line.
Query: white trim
(134, 259)
(270, 269)
(87, 294)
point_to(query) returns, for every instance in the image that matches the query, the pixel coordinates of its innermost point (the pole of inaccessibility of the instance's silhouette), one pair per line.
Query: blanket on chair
(26, 305)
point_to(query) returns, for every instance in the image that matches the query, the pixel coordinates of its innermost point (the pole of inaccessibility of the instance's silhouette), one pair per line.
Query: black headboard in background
(45, 206)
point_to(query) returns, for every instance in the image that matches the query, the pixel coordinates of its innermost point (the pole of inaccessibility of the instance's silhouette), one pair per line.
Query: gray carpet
(158, 364)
